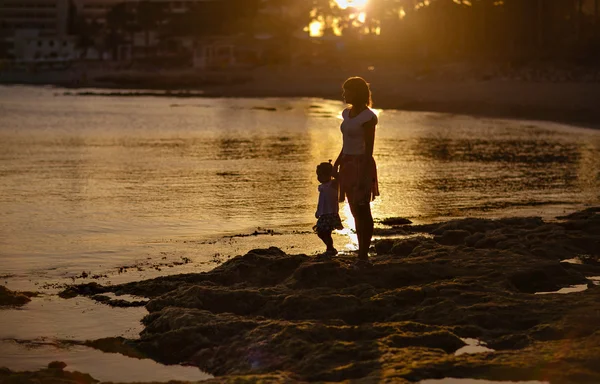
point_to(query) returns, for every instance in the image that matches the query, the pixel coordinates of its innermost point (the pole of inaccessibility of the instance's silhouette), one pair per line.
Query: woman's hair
(362, 92)
(325, 169)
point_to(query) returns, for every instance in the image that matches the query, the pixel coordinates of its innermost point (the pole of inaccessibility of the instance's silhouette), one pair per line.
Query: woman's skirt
(358, 179)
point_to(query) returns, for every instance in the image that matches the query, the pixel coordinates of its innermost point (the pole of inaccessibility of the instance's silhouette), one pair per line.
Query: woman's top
(328, 198)
(353, 131)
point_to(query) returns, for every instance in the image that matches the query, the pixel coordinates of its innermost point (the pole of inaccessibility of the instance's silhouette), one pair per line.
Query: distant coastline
(559, 99)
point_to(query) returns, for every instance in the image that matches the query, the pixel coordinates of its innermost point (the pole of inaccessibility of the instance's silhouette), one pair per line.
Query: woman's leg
(364, 228)
(354, 209)
(367, 229)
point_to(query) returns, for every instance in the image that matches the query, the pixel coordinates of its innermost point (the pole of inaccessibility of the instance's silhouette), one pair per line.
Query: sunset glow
(315, 28)
(352, 3)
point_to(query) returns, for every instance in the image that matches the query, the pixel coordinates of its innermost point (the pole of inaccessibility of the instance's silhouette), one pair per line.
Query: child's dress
(328, 208)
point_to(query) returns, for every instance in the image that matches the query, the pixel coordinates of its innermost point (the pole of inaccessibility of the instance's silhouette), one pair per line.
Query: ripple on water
(101, 366)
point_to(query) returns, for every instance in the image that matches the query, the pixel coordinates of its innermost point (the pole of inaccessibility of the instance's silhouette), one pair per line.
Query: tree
(85, 35)
(120, 25)
(149, 17)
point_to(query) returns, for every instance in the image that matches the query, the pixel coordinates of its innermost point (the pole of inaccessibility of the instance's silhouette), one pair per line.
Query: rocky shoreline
(10, 298)
(268, 314)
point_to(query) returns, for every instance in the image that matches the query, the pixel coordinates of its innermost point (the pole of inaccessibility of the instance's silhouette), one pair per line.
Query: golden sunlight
(315, 28)
(352, 3)
(362, 17)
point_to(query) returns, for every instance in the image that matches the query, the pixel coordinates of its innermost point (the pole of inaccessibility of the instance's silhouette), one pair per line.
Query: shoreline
(465, 298)
(470, 298)
(563, 102)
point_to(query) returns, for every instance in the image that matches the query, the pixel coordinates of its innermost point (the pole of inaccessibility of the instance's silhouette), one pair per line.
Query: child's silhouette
(327, 214)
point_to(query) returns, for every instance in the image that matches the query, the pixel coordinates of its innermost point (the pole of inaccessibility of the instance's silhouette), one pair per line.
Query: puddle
(73, 319)
(594, 279)
(473, 346)
(450, 380)
(128, 298)
(575, 260)
(101, 366)
(570, 289)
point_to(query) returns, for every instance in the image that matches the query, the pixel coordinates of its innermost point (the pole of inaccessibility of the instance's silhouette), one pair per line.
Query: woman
(355, 163)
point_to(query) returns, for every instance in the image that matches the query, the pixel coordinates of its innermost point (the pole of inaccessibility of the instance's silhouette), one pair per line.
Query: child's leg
(327, 239)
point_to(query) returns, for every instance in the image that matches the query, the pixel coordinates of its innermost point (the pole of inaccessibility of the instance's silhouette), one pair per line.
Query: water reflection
(106, 367)
(98, 182)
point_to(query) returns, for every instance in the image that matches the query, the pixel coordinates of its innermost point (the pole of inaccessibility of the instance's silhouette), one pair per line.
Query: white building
(31, 46)
(96, 10)
(33, 18)
(46, 16)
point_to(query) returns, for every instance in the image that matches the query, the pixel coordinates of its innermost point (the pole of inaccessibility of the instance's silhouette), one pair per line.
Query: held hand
(336, 170)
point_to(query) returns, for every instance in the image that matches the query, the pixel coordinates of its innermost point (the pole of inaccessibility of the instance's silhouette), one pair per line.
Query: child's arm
(318, 207)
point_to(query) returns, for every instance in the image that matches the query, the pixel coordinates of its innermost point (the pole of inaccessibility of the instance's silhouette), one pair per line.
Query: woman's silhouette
(355, 163)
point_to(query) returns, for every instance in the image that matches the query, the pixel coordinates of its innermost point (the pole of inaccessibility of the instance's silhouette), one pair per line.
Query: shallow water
(106, 367)
(569, 289)
(78, 319)
(93, 183)
(472, 346)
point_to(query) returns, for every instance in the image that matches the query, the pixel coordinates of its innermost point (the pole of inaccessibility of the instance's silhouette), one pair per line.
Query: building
(32, 18)
(96, 10)
(214, 53)
(47, 16)
(31, 47)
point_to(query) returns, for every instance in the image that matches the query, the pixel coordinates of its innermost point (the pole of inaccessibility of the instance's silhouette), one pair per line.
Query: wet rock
(54, 374)
(544, 277)
(514, 341)
(269, 313)
(115, 345)
(402, 247)
(13, 298)
(395, 221)
(57, 365)
(474, 239)
(119, 302)
(88, 289)
(383, 247)
(453, 237)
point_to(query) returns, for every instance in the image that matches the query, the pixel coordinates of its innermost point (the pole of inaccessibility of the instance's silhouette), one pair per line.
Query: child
(328, 207)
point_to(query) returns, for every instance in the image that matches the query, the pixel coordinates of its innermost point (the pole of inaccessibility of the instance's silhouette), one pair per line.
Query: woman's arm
(337, 162)
(370, 136)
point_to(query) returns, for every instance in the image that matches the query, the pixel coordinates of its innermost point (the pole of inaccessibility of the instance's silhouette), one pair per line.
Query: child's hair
(361, 89)
(325, 169)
